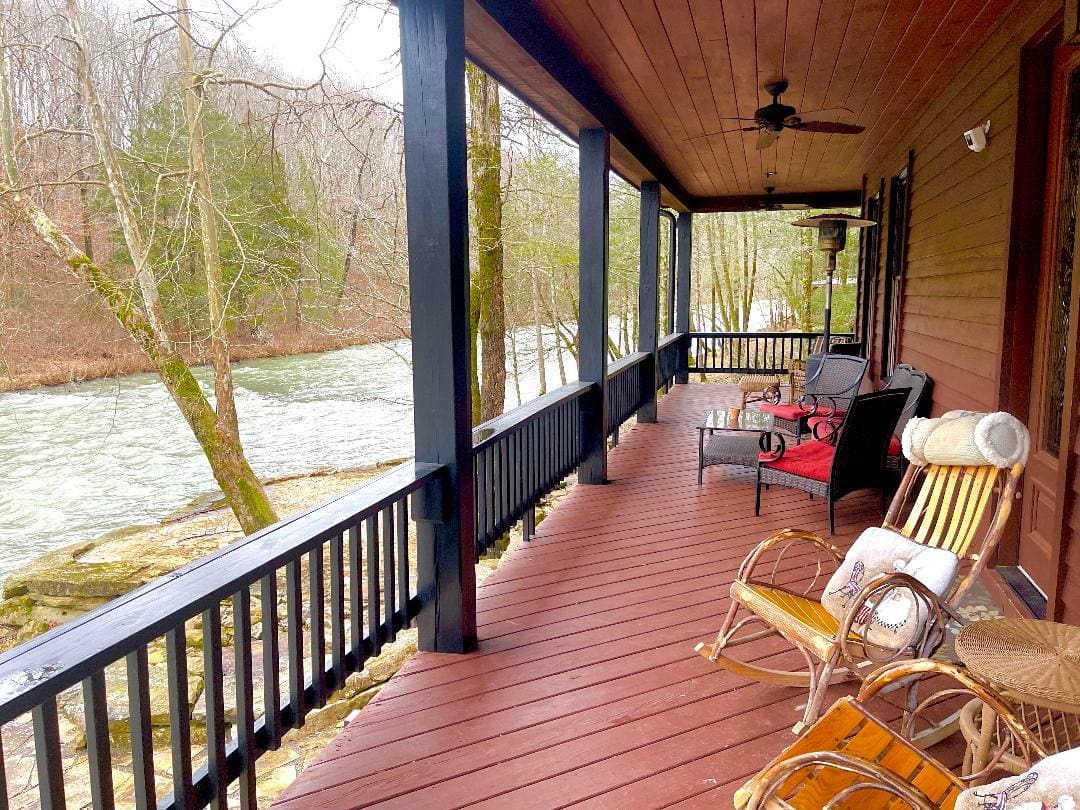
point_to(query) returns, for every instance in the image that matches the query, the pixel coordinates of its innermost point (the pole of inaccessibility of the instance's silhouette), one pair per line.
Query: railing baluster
(294, 619)
(213, 683)
(337, 609)
(356, 598)
(142, 737)
(371, 531)
(270, 660)
(480, 463)
(179, 715)
(388, 564)
(98, 752)
(245, 692)
(317, 612)
(50, 767)
(403, 560)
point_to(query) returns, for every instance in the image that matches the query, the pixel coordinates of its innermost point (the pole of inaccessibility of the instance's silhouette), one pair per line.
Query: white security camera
(976, 138)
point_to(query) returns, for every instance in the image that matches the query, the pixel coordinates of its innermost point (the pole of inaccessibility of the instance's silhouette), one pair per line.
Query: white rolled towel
(967, 438)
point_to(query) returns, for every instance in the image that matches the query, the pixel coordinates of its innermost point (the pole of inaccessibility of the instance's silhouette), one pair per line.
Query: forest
(172, 200)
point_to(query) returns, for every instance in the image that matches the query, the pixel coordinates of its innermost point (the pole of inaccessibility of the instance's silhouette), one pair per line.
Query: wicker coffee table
(739, 440)
(1036, 664)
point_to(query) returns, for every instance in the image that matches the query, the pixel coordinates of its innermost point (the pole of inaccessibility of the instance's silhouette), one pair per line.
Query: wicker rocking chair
(938, 506)
(850, 759)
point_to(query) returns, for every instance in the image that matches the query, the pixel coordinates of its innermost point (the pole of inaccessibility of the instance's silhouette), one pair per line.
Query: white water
(80, 460)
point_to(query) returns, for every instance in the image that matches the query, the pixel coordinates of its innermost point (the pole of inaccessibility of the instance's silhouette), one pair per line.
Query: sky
(292, 33)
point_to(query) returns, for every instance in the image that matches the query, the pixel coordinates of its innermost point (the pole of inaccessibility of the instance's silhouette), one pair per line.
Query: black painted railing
(670, 351)
(310, 598)
(751, 352)
(626, 389)
(521, 456)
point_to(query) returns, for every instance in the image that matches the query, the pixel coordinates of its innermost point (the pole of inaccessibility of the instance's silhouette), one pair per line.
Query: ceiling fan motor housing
(772, 116)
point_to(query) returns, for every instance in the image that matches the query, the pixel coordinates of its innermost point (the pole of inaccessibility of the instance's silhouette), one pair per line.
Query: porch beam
(648, 294)
(433, 77)
(594, 149)
(531, 32)
(684, 244)
(851, 198)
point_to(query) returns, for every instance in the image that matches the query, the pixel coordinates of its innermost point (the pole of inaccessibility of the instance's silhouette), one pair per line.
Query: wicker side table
(758, 384)
(1036, 664)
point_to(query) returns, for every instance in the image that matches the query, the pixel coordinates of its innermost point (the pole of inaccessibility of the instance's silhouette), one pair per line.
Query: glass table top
(749, 420)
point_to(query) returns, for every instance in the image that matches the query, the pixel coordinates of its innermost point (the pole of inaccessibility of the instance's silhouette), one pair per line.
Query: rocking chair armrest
(966, 682)
(876, 589)
(746, 570)
(773, 778)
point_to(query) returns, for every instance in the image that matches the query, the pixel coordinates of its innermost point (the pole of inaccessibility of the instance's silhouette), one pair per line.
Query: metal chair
(939, 506)
(830, 387)
(855, 462)
(852, 759)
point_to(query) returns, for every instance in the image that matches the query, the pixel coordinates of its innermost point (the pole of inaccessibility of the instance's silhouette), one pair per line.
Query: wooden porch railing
(311, 599)
(752, 352)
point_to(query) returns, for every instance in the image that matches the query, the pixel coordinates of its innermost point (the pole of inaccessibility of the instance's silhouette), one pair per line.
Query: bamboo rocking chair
(853, 760)
(939, 506)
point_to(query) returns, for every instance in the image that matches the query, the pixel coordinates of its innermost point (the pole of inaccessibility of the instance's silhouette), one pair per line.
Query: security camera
(976, 138)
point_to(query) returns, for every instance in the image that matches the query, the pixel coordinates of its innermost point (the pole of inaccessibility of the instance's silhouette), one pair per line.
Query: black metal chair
(920, 388)
(854, 462)
(830, 386)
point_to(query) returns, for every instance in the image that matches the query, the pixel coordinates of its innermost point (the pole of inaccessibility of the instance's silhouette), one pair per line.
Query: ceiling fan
(772, 119)
(769, 205)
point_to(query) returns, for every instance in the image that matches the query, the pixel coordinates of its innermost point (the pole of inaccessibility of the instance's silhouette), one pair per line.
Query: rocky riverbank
(73, 580)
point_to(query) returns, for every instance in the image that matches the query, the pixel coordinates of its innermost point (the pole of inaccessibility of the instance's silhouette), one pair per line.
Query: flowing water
(79, 460)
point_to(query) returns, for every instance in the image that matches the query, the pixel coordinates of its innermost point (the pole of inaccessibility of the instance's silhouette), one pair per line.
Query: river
(80, 460)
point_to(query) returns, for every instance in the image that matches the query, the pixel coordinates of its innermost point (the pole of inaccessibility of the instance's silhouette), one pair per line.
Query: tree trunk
(538, 326)
(485, 162)
(193, 94)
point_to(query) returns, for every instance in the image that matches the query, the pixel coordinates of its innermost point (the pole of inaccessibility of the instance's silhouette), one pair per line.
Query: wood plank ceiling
(681, 69)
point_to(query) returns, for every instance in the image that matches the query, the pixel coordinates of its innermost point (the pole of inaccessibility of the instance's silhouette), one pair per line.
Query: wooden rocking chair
(938, 506)
(851, 759)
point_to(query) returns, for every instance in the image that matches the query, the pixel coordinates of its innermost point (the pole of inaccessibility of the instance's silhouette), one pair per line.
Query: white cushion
(893, 623)
(1053, 783)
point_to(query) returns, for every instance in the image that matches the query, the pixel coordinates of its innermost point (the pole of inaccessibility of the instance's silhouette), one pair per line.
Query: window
(869, 257)
(894, 271)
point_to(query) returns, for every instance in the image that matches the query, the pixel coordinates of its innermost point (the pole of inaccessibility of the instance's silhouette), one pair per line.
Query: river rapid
(79, 460)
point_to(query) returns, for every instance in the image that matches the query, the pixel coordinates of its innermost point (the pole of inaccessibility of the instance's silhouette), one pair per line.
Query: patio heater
(831, 238)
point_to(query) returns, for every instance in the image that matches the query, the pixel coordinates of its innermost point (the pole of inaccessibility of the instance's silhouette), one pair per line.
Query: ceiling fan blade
(765, 139)
(827, 126)
(830, 114)
(794, 207)
(721, 132)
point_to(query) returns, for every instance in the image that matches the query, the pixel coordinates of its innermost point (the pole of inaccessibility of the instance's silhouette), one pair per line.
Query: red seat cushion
(789, 412)
(810, 460)
(895, 447)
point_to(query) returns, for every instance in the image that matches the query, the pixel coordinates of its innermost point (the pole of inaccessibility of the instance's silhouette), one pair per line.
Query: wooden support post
(433, 76)
(594, 155)
(682, 298)
(648, 295)
(672, 239)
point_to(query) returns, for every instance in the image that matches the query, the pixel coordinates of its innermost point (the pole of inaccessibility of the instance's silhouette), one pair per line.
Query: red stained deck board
(585, 687)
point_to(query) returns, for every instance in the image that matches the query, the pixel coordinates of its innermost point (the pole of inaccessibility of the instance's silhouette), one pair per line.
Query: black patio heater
(831, 237)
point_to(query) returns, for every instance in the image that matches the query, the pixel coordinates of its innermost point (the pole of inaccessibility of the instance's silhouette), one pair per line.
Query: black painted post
(594, 155)
(433, 75)
(648, 295)
(682, 298)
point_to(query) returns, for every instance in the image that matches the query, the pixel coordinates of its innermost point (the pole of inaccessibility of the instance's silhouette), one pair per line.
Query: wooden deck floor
(585, 689)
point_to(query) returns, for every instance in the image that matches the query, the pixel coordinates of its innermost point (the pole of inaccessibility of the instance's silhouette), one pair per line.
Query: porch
(584, 687)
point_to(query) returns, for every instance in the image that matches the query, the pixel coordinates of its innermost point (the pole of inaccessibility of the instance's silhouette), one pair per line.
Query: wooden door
(1050, 403)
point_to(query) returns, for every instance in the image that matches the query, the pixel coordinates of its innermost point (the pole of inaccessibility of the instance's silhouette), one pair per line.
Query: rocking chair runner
(938, 506)
(851, 759)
